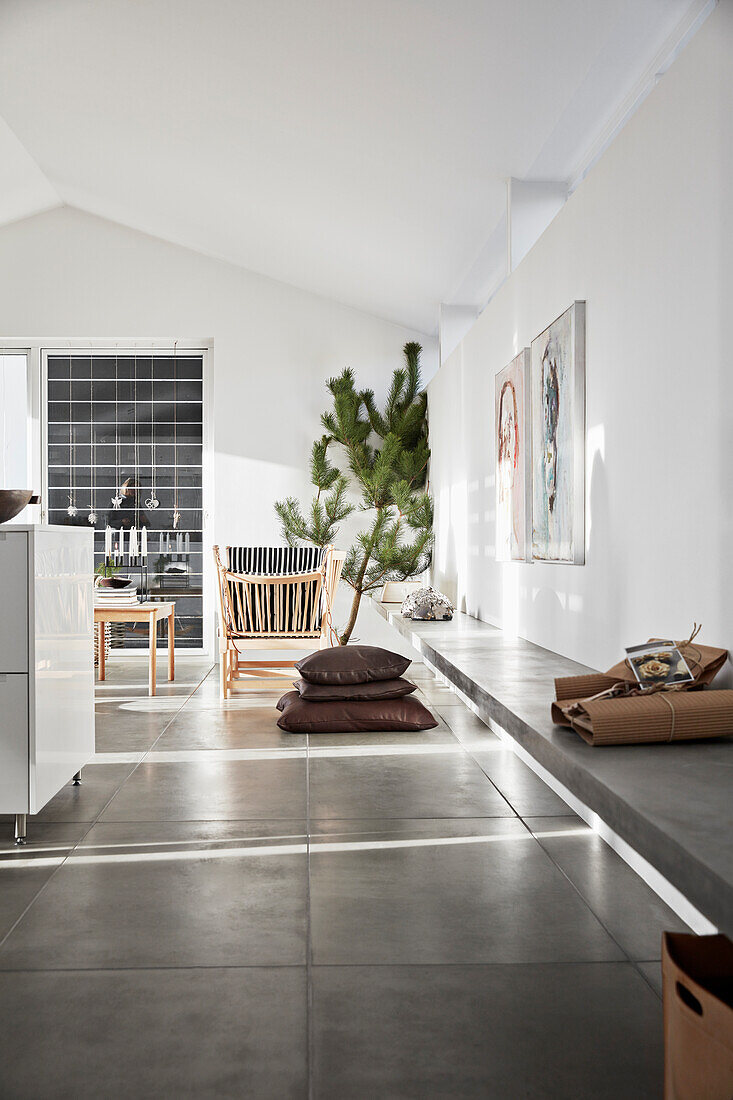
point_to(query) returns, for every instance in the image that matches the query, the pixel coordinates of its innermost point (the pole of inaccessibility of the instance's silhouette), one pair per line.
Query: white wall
(13, 423)
(65, 275)
(646, 240)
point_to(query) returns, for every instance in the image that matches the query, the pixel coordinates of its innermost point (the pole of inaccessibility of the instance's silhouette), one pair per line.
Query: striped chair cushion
(270, 561)
(274, 561)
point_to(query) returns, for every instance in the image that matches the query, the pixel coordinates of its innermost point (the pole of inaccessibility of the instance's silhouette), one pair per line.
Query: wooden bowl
(13, 501)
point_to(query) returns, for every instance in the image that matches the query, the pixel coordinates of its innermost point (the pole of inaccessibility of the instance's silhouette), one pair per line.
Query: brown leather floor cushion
(351, 664)
(301, 716)
(329, 693)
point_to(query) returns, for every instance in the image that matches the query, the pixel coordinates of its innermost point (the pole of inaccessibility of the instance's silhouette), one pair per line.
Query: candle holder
(140, 564)
(136, 564)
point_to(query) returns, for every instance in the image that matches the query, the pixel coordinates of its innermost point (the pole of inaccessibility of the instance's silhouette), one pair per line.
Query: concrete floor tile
(451, 891)
(185, 895)
(211, 791)
(547, 1032)
(468, 728)
(418, 671)
(522, 788)
(24, 870)
(434, 694)
(403, 786)
(125, 730)
(652, 971)
(254, 727)
(634, 915)
(155, 1033)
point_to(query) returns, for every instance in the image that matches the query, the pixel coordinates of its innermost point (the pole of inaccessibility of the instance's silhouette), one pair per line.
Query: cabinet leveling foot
(20, 828)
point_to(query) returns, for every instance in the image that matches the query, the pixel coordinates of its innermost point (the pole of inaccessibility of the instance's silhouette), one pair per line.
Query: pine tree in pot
(386, 454)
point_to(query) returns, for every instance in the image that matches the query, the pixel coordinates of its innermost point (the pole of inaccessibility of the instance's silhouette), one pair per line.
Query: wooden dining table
(150, 613)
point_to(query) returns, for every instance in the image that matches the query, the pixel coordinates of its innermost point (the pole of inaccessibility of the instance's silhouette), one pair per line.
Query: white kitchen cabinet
(46, 663)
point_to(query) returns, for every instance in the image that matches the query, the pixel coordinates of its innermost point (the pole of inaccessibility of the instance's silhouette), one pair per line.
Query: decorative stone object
(427, 603)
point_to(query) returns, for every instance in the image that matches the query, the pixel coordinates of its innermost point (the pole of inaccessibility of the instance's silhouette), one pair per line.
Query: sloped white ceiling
(24, 190)
(356, 148)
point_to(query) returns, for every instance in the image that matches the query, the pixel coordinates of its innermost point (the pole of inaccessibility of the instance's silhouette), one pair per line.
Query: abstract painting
(558, 439)
(512, 460)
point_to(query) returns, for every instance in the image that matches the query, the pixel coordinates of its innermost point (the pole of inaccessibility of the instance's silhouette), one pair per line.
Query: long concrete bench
(672, 805)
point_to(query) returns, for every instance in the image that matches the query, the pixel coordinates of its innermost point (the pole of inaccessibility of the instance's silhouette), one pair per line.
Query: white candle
(107, 542)
(133, 543)
(187, 544)
(122, 547)
(144, 543)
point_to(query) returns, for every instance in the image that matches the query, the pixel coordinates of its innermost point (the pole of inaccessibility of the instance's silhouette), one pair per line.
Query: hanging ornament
(72, 509)
(176, 513)
(117, 498)
(92, 517)
(131, 485)
(152, 502)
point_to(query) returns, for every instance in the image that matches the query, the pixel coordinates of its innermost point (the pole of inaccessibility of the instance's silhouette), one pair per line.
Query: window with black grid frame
(125, 442)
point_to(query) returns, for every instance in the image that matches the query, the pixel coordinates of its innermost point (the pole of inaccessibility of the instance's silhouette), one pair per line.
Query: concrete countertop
(673, 804)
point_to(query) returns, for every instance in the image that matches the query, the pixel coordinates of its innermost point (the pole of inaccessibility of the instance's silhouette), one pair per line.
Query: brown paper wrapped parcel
(679, 713)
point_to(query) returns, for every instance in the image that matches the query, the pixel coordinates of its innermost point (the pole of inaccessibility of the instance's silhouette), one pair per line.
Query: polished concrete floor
(221, 909)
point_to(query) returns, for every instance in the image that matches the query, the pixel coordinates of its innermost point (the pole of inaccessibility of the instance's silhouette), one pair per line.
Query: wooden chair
(276, 611)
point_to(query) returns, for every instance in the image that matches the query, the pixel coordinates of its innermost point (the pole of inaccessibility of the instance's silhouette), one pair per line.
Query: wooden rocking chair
(279, 610)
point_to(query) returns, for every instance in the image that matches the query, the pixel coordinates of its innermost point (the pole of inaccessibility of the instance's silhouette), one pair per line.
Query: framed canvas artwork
(512, 423)
(558, 439)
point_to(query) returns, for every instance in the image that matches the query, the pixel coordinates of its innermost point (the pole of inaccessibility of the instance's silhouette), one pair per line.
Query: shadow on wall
(448, 584)
(481, 542)
(602, 561)
(559, 614)
(444, 568)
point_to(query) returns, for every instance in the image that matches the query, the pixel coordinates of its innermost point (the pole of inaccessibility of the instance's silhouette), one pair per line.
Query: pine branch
(393, 408)
(377, 421)
(323, 473)
(336, 506)
(292, 521)
(412, 352)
